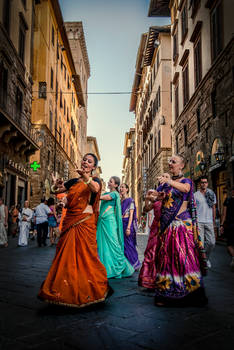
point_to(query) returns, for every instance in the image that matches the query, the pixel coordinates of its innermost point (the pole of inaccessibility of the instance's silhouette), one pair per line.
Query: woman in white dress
(3, 224)
(25, 218)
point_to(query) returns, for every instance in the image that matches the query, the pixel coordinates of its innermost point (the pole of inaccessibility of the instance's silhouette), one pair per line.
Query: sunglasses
(204, 182)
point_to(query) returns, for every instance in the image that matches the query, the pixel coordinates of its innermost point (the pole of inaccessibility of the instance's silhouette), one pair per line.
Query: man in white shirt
(206, 201)
(41, 215)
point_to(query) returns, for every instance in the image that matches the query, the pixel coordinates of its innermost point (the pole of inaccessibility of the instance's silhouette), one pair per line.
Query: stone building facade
(157, 126)
(18, 140)
(57, 101)
(135, 98)
(129, 162)
(203, 89)
(76, 37)
(151, 103)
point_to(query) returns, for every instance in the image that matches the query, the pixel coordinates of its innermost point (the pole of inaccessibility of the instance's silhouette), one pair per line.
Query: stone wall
(158, 166)
(216, 117)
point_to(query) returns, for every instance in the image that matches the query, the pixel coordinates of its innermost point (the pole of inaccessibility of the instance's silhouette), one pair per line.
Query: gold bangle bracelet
(53, 189)
(89, 180)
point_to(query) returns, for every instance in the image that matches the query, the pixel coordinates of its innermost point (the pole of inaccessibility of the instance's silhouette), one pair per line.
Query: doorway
(219, 179)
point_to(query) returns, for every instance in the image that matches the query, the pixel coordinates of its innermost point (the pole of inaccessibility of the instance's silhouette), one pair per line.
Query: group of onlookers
(47, 219)
(24, 223)
(15, 222)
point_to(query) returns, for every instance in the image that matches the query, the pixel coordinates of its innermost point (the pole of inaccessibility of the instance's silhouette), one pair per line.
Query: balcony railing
(9, 108)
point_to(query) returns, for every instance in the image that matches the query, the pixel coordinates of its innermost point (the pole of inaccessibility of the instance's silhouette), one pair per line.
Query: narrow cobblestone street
(128, 320)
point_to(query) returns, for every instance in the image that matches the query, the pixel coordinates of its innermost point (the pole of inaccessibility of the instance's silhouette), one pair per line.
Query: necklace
(175, 177)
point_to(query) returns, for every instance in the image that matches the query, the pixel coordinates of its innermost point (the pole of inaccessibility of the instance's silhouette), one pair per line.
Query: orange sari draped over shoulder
(77, 277)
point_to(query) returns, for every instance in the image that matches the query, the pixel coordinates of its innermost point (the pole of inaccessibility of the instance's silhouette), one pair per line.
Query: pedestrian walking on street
(52, 220)
(41, 214)
(13, 220)
(129, 226)
(60, 212)
(149, 220)
(77, 278)
(180, 257)
(227, 225)
(110, 237)
(63, 202)
(143, 220)
(147, 275)
(25, 217)
(206, 214)
(33, 230)
(3, 224)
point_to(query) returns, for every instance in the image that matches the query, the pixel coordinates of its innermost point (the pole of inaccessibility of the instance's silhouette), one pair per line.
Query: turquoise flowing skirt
(110, 247)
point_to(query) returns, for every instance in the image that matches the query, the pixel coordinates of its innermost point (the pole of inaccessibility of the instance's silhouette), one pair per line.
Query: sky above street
(112, 32)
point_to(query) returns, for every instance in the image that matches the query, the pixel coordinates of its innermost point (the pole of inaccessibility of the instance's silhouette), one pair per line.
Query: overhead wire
(100, 93)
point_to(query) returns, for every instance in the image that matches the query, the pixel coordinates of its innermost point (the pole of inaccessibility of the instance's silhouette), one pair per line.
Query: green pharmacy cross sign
(35, 165)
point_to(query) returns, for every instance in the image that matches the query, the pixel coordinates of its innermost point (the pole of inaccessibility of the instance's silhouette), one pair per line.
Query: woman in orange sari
(77, 278)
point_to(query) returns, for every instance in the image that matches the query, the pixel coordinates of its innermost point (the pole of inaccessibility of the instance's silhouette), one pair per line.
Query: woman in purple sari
(180, 259)
(129, 226)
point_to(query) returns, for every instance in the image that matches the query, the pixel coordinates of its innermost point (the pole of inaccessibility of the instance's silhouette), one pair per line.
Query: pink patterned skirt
(178, 272)
(147, 275)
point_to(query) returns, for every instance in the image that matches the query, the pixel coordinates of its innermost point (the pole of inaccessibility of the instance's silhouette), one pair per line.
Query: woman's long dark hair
(117, 182)
(50, 201)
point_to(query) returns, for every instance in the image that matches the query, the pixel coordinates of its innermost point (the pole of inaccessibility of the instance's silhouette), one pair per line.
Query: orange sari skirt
(77, 277)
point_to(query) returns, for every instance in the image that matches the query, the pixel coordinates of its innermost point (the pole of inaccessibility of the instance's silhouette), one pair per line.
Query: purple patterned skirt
(130, 245)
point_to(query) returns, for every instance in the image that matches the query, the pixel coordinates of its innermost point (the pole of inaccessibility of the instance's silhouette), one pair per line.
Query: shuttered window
(197, 61)
(216, 31)
(185, 84)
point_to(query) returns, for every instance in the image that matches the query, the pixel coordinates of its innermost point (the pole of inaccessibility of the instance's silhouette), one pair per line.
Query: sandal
(160, 304)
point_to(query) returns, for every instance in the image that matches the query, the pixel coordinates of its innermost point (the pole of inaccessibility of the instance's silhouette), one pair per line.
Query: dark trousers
(42, 232)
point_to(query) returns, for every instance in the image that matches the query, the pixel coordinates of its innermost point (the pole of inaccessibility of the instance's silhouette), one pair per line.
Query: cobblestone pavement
(128, 320)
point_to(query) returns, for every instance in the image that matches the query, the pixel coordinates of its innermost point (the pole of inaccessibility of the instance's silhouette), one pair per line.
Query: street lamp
(202, 165)
(219, 155)
(156, 43)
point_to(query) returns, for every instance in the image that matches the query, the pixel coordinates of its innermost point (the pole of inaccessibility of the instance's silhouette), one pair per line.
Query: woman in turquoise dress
(110, 239)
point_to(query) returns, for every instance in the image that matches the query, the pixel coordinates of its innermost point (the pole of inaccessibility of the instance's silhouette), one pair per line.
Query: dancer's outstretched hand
(57, 182)
(151, 195)
(164, 178)
(161, 196)
(83, 173)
